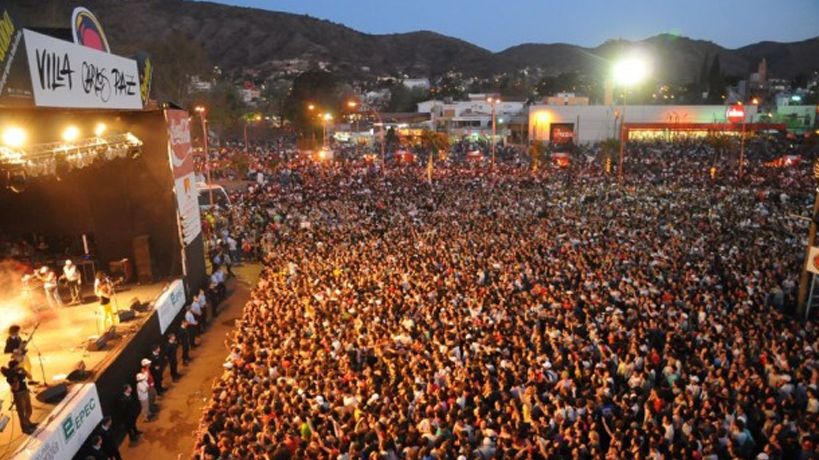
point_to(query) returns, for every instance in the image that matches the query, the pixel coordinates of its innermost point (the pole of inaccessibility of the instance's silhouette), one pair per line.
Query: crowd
(508, 314)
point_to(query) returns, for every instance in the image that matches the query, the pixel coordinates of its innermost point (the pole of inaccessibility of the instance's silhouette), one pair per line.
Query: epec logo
(77, 419)
(176, 297)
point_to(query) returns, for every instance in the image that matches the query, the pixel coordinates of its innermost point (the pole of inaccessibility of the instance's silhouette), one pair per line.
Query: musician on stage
(15, 346)
(16, 377)
(49, 279)
(104, 290)
(71, 275)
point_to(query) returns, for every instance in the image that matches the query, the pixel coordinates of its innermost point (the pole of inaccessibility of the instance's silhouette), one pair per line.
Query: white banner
(64, 74)
(813, 260)
(74, 419)
(187, 199)
(169, 304)
(187, 193)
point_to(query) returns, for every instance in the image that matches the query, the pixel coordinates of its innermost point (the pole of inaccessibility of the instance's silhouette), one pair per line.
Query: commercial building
(594, 123)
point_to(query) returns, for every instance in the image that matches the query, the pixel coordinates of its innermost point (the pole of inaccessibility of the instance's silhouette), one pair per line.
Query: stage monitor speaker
(53, 394)
(79, 373)
(138, 306)
(142, 259)
(98, 344)
(126, 315)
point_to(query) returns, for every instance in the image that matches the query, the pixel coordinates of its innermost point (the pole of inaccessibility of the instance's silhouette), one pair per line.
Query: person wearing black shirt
(16, 378)
(127, 412)
(171, 347)
(95, 451)
(13, 341)
(109, 445)
(185, 342)
(157, 368)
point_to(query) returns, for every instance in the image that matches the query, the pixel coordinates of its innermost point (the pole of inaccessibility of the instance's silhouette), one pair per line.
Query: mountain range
(240, 39)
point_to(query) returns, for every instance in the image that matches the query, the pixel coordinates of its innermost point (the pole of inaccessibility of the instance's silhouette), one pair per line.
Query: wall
(595, 123)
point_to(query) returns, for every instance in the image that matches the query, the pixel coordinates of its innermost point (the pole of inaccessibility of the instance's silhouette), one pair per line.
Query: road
(171, 435)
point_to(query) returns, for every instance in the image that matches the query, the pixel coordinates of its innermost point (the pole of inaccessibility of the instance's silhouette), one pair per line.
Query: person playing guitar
(16, 346)
(104, 290)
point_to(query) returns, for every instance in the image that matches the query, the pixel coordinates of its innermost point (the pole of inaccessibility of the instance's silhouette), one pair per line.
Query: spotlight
(71, 134)
(100, 129)
(14, 137)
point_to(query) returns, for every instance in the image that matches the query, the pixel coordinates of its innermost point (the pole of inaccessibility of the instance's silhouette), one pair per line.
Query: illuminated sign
(735, 114)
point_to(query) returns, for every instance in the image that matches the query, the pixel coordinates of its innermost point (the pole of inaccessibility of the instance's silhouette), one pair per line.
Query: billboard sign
(185, 188)
(561, 133)
(68, 75)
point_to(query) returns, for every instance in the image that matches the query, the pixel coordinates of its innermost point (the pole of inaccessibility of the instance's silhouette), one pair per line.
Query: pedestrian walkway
(171, 435)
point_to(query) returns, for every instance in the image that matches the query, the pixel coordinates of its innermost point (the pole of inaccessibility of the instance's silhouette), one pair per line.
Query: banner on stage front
(64, 74)
(169, 304)
(74, 420)
(187, 193)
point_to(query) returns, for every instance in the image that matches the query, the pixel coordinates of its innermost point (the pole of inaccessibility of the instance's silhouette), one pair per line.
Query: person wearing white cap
(49, 279)
(72, 276)
(144, 396)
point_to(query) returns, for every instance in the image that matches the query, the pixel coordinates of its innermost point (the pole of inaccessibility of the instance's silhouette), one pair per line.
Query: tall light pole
(493, 101)
(352, 105)
(325, 118)
(203, 116)
(627, 72)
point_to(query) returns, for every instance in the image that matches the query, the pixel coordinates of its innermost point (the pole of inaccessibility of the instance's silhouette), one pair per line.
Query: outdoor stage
(61, 341)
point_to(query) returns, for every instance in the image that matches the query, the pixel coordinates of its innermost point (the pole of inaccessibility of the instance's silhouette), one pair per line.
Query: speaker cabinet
(142, 259)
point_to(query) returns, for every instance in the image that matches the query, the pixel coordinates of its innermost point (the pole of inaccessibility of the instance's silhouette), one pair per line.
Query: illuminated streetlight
(203, 116)
(100, 129)
(627, 72)
(326, 117)
(71, 134)
(352, 104)
(311, 107)
(493, 101)
(755, 101)
(14, 137)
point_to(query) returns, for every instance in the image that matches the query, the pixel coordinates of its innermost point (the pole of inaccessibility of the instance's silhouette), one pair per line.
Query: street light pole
(623, 136)
(493, 102)
(202, 115)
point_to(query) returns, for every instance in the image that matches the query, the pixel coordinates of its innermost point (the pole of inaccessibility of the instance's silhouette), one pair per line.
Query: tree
(537, 154)
(432, 141)
(225, 107)
(716, 82)
(317, 87)
(275, 97)
(176, 59)
(403, 99)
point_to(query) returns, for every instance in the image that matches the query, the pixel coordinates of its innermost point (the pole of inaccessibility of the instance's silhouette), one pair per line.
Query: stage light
(100, 129)
(71, 134)
(14, 137)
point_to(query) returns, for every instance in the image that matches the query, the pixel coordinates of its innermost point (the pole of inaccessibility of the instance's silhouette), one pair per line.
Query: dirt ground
(171, 434)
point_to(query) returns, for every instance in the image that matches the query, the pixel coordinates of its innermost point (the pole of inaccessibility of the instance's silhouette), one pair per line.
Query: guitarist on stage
(16, 378)
(16, 346)
(104, 290)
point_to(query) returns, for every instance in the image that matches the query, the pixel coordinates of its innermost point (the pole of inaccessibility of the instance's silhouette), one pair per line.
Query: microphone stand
(42, 368)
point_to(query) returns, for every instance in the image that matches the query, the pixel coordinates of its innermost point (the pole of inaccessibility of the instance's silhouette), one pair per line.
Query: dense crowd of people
(506, 314)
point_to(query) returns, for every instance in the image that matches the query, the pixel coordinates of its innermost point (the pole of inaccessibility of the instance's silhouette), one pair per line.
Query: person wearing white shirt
(143, 395)
(72, 276)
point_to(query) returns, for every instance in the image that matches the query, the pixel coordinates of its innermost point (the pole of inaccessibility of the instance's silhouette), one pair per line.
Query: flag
(429, 169)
